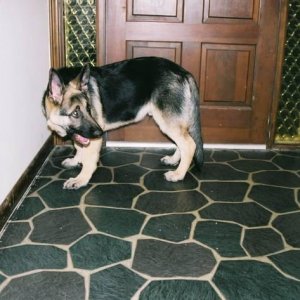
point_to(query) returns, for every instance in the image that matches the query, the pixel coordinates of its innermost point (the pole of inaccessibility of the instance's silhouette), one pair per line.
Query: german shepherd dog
(84, 103)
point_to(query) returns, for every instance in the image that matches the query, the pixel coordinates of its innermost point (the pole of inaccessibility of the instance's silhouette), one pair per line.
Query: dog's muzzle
(84, 137)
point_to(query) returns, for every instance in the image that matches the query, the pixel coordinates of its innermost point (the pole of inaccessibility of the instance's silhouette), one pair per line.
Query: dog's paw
(169, 161)
(70, 163)
(173, 176)
(75, 183)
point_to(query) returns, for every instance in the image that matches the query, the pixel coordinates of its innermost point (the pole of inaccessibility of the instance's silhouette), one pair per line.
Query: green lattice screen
(80, 32)
(288, 118)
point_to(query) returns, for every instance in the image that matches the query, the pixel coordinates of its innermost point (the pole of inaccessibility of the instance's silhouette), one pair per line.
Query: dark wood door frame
(57, 35)
(57, 50)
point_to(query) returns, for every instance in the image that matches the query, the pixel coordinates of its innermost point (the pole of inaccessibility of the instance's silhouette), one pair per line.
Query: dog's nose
(97, 132)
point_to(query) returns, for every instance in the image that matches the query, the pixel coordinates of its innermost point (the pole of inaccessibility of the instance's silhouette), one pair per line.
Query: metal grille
(80, 32)
(288, 118)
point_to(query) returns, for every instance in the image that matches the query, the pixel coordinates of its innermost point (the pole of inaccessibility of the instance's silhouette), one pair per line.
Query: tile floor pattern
(231, 232)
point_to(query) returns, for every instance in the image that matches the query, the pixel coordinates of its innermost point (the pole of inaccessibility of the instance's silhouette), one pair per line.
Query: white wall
(24, 63)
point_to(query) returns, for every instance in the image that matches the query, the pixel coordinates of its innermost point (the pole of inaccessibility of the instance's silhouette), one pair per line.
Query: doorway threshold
(120, 144)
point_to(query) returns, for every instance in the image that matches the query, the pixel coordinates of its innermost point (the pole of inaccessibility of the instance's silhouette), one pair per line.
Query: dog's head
(67, 107)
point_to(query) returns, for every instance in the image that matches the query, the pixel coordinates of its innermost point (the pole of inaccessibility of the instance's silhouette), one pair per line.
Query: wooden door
(230, 46)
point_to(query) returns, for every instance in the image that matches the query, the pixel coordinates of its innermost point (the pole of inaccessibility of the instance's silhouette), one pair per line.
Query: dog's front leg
(75, 161)
(89, 159)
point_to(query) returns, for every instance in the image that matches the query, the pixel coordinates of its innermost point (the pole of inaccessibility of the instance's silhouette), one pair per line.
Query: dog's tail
(195, 128)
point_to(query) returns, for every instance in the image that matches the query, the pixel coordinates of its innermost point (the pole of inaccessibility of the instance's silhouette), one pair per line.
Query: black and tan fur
(83, 104)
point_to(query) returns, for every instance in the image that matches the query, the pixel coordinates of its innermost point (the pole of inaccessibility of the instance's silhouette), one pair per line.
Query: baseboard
(24, 181)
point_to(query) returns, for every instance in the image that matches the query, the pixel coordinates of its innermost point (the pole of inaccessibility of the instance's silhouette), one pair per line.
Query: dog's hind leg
(89, 159)
(186, 146)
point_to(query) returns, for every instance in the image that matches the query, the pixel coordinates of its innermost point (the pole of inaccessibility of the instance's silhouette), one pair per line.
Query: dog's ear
(83, 78)
(55, 87)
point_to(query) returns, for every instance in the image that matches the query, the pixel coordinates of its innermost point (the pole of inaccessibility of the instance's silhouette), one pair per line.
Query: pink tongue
(81, 140)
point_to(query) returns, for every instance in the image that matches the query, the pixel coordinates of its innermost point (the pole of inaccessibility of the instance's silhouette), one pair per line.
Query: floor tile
(262, 241)
(287, 162)
(248, 279)
(257, 154)
(38, 183)
(170, 202)
(224, 155)
(277, 199)
(116, 158)
(249, 214)
(288, 262)
(63, 226)
(104, 283)
(252, 165)
(116, 195)
(223, 237)
(163, 259)
(129, 174)
(174, 228)
(29, 207)
(101, 174)
(277, 178)
(289, 226)
(217, 171)
(14, 234)
(179, 289)
(118, 222)
(49, 170)
(96, 250)
(31, 257)
(225, 191)
(46, 285)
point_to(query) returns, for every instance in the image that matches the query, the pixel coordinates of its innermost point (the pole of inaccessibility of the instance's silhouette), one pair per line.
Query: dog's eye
(76, 113)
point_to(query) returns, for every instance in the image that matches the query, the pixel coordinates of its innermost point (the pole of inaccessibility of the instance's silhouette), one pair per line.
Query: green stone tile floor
(229, 232)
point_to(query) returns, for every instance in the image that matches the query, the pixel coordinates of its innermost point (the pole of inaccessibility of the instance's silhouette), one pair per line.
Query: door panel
(227, 74)
(155, 10)
(169, 50)
(228, 45)
(230, 11)
(241, 9)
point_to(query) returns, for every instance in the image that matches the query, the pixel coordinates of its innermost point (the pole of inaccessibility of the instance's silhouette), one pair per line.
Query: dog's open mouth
(81, 139)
